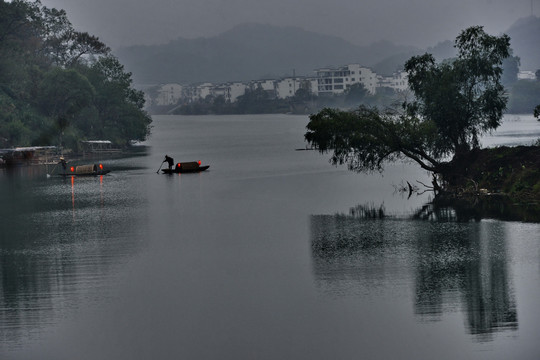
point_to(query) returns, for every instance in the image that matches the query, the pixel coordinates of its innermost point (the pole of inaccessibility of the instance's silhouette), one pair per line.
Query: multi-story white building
(168, 94)
(337, 80)
(526, 75)
(398, 81)
(203, 90)
(235, 90)
(220, 90)
(327, 82)
(287, 87)
(269, 86)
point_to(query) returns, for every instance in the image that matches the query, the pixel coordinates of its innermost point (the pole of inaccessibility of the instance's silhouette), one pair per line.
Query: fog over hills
(253, 51)
(525, 40)
(248, 52)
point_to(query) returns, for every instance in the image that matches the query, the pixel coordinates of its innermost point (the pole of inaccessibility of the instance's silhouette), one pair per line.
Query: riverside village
(328, 81)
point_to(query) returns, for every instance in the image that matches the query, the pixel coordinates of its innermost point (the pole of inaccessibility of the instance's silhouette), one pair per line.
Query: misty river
(272, 253)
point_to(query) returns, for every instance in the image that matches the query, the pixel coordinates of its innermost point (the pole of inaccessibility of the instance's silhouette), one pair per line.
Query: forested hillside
(59, 86)
(255, 51)
(249, 52)
(525, 35)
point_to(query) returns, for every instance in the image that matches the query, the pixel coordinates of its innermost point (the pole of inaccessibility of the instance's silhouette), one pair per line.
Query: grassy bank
(503, 171)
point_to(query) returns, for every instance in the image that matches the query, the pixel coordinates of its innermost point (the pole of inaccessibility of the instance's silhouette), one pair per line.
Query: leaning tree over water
(455, 102)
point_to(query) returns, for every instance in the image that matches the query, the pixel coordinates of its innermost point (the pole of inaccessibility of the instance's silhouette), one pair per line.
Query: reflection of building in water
(455, 265)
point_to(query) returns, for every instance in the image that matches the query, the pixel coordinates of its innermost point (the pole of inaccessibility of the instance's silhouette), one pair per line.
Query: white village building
(236, 89)
(337, 80)
(287, 87)
(169, 94)
(203, 90)
(398, 81)
(329, 81)
(526, 75)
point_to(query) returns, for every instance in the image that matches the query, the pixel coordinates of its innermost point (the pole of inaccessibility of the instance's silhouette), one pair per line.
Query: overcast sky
(409, 22)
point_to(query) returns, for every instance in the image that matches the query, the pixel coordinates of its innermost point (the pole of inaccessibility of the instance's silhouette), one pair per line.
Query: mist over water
(271, 253)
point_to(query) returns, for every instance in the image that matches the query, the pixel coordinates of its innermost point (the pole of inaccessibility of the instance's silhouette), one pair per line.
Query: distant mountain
(254, 51)
(248, 52)
(525, 40)
(394, 63)
(443, 50)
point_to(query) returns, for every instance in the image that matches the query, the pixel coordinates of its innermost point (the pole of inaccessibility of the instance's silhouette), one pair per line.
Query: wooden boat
(33, 155)
(86, 170)
(186, 167)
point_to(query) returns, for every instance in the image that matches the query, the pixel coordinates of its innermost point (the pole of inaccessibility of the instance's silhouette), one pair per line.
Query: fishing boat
(186, 167)
(86, 170)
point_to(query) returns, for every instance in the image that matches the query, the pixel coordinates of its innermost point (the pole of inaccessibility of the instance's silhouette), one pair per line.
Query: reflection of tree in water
(465, 263)
(477, 208)
(454, 264)
(357, 251)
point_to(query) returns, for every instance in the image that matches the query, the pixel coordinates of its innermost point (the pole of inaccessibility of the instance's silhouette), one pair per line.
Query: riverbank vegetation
(513, 171)
(59, 86)
(259, 101)
(455, 102)
(523, 96)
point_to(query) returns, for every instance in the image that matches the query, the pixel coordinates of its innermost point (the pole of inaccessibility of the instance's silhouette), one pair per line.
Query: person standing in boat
(64, 164)
(169, 161)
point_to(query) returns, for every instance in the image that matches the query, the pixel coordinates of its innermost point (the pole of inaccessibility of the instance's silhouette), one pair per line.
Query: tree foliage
(455, 102)
(355, 94)
(463, 97)
(510, 70)
(56, 80)
(366, 138)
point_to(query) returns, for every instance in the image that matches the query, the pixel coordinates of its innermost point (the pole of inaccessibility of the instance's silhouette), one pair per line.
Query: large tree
(455, 102)
(63, 95)
(55, 80)
(118, 106)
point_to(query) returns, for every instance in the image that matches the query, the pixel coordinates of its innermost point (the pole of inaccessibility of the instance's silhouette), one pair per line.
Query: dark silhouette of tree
(54, 79)
(455, 102)
(355, 94)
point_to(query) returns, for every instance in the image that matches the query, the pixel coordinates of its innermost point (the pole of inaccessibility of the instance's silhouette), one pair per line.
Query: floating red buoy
(199, 162)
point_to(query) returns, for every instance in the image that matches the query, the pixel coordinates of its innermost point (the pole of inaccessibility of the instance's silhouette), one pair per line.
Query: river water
(270, 254)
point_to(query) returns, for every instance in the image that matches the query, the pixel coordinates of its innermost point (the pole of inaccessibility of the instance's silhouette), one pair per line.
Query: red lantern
(72, 169)
(100, 166)
(199, 162)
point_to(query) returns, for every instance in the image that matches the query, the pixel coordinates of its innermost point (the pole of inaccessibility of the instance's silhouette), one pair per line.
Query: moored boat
(32, 155)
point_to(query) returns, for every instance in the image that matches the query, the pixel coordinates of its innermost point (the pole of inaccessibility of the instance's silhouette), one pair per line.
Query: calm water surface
(267, 255)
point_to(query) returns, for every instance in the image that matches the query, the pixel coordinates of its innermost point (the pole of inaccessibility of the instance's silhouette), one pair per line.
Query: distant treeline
(524, 95)
(59, 86)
